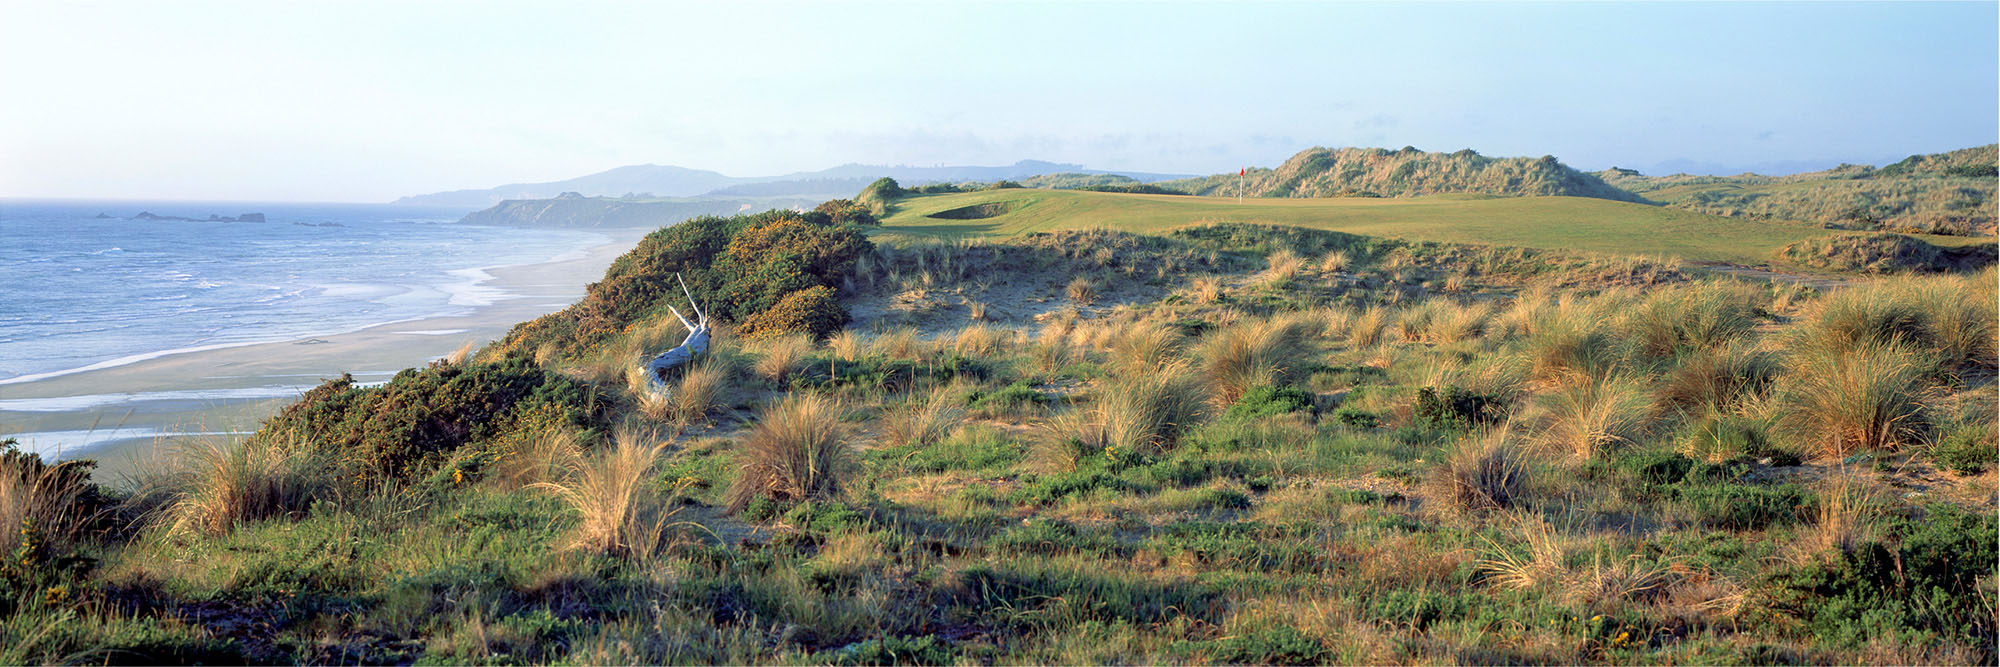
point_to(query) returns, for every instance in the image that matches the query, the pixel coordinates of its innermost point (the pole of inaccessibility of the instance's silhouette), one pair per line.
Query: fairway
(1556, 223)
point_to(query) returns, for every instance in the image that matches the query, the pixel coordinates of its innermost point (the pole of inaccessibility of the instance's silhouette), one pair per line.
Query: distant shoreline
(142, 401)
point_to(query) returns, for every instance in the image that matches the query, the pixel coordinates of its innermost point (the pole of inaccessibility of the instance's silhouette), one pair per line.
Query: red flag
(1242, 171)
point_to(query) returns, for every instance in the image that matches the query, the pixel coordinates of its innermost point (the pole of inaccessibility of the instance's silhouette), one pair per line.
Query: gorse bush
(740, 268)
(814, 311)
(405, 428)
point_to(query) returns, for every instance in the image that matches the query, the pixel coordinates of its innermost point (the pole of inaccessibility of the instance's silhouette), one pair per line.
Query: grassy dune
(1555, 223)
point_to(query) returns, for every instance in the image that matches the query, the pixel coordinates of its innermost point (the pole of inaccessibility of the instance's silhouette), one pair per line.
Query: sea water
(85, 286)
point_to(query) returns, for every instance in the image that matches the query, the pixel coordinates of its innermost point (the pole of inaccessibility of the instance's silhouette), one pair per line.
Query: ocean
(84, 285)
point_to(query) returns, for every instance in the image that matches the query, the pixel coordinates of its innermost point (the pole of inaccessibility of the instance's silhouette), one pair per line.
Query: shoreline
(228, 389)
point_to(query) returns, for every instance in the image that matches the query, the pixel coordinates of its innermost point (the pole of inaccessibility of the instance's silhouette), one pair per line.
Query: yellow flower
(457, 476)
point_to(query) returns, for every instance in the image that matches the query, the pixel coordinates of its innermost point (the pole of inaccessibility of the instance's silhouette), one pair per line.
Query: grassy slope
(1568, 223)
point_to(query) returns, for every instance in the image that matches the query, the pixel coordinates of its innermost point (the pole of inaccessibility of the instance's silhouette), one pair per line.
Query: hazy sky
(356, 101)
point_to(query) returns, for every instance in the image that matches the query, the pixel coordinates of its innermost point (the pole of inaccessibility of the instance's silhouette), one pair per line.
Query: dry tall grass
(1258, 353)
(846, 344)
(1589, 414)
(688, 400)
(233, 484)
(1142, 413)
(796, 451)
(1487, 471)
(611, 493)
(781, 357)
(1334, 262)
(535, 456)
(1143, 348)
(39, 504)
(1561, 347)
(1366, 330)
(1671, 321)
(980, 340)
(926, 420)
(1082, 291)
(1281, 267)
(1206, 290)
(1721, 376)
(1867, 397)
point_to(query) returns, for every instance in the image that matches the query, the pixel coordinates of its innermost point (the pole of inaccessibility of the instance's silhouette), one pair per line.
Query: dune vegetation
(1943, 193)
(1099, 428)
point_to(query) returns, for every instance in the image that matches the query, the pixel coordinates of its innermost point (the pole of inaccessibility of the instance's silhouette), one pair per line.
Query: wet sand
(126, 415)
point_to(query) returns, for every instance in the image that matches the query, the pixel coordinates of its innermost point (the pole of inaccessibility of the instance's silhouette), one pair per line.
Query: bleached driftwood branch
(696, 343)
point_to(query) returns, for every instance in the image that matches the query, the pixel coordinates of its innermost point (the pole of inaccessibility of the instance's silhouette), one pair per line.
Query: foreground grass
(1254, 469)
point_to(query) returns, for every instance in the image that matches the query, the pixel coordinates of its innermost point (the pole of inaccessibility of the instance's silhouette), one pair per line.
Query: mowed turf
(1558, 223)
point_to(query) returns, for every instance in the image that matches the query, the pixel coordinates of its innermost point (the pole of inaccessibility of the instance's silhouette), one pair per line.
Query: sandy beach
(126, 415)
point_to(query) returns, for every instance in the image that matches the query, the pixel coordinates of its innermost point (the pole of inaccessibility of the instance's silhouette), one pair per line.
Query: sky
(367, 101)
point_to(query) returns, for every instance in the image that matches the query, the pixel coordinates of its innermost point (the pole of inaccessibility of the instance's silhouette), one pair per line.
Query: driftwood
(695, 345)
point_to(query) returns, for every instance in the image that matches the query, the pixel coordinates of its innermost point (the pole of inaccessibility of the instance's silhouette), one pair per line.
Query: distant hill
(579, 212)
(1376, 172)
(1947, 193)
(656, 181)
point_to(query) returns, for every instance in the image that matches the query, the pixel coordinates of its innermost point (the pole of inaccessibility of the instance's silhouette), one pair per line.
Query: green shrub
(1967, 449)
(1278, 645)
(421, 417)
(1737, 506)
(1455, 409)
(1268, 401)
(1926, 586)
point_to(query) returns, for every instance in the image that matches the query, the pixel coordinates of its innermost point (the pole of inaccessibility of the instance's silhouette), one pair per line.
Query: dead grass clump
(1561, 347)
(1143, 413)
(1590, 414)
(1719, 376)
(1334, 262)
(781, 356)
(461, 355)
(43, 506)
(1868, 397)
(796, 451)
(1254, 354)
(901, 343)
(1206, 290)
(233, 485)
(1453, 323)
(535, 456)
(1485, 472)
(1671, 321)
(1366, 330)
(979, 340)
(1281, 267)
(846, 344)
(611, 493)
(689, 399)
(1143, 348)
(1082, 291)
(925, 421)
(1844, 518)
